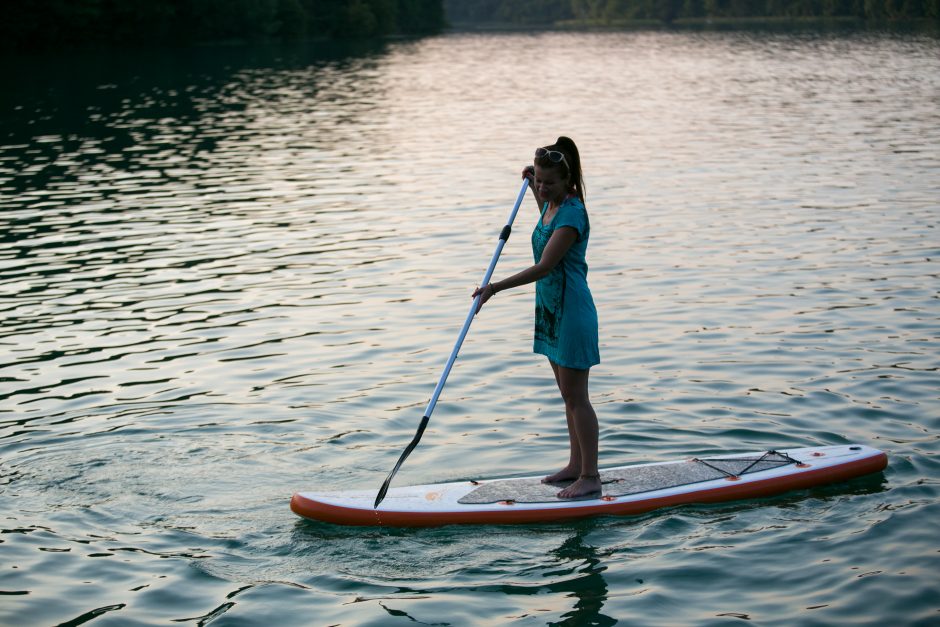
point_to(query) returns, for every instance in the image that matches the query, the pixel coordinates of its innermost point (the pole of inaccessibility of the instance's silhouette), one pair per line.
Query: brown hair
(567, 147)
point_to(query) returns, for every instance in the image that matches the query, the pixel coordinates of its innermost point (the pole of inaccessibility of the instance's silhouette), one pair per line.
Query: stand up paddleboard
(626, 490)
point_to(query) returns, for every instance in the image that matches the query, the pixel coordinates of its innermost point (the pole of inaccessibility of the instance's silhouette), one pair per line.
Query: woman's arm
(558, 244)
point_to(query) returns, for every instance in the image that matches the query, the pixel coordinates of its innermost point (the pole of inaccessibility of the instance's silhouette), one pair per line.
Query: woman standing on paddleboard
(565, 317)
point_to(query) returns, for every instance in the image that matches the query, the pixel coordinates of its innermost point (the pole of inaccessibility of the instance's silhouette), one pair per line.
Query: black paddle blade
(411, 446)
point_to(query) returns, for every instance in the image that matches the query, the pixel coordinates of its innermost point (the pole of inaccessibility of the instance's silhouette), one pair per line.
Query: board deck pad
(628, 480)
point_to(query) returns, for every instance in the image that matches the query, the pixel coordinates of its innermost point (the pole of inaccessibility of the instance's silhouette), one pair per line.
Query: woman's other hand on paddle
(528, 173)
(485, 293)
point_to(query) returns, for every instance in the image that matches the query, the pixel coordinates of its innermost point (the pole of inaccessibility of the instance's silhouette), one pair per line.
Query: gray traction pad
(624, 481)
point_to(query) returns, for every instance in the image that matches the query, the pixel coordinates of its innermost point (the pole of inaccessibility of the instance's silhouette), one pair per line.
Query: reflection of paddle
(503, 236)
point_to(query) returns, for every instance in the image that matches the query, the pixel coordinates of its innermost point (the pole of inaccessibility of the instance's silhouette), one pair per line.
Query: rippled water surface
(228, 274)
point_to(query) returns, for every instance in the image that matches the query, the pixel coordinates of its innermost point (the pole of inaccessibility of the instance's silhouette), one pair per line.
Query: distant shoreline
(703, 23)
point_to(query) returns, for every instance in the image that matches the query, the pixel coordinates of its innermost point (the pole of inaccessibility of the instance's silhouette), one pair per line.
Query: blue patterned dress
(565, 316)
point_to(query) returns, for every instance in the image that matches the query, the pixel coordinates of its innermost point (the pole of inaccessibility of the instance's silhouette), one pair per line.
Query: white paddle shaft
(473, 307)
(503, 236)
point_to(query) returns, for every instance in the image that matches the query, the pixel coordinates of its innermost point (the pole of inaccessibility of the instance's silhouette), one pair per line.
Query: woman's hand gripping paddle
(503, 236)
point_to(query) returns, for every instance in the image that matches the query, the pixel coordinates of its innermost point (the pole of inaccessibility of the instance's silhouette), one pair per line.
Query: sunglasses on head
(554, 156)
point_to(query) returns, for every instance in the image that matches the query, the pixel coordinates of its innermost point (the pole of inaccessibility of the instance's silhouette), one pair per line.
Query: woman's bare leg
(582, 434)
(573, 469)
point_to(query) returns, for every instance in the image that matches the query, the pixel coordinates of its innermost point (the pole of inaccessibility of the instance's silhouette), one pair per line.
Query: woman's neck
(554, 203)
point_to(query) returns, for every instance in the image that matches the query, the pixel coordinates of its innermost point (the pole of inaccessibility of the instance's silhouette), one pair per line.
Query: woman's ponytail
(575, 178)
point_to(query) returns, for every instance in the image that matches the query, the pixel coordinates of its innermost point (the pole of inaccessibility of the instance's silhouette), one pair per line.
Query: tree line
(616, 11)
(44, 24)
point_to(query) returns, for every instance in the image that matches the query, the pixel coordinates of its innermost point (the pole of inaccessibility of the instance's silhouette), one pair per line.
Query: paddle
(503, 236)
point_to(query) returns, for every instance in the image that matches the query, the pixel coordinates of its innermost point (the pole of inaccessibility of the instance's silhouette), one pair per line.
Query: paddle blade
(411, 446)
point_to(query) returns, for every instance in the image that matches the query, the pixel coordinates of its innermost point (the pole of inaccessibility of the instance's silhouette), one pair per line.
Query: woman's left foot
(584, 486)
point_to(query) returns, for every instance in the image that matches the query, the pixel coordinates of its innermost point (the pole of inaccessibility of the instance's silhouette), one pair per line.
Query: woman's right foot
(584, 486)
(565, 474)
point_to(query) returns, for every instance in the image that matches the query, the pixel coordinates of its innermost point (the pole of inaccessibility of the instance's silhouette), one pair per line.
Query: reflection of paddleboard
(627, 490)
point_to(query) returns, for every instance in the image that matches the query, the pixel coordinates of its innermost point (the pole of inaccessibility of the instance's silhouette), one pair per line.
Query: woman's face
(550, 185)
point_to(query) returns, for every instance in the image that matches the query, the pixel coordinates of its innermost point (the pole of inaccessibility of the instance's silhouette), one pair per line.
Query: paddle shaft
(503, 237)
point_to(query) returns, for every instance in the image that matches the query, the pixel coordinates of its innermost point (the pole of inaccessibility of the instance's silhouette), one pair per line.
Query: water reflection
(422, 573)
(589, 588)
(76, 127)
(120, 228)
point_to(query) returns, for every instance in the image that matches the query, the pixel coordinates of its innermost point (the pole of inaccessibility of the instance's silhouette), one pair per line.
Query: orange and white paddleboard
(626, 490)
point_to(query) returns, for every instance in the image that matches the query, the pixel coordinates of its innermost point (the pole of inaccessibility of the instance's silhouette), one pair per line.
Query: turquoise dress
(565, 316)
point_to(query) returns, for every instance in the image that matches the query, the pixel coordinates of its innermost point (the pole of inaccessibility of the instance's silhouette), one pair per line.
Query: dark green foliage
(611, 11)
(39, 24)
(508, 11)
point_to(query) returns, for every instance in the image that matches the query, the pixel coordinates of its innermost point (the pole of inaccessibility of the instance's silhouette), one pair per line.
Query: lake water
(228, 274)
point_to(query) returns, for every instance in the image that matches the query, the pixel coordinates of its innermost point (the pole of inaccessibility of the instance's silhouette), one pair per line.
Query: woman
(565, 317)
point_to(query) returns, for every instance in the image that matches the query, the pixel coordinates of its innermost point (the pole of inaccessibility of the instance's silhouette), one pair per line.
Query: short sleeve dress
(565, 316)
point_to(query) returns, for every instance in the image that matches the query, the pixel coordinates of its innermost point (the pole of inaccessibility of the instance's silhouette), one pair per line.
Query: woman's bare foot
(585, 485)
(565, 474)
